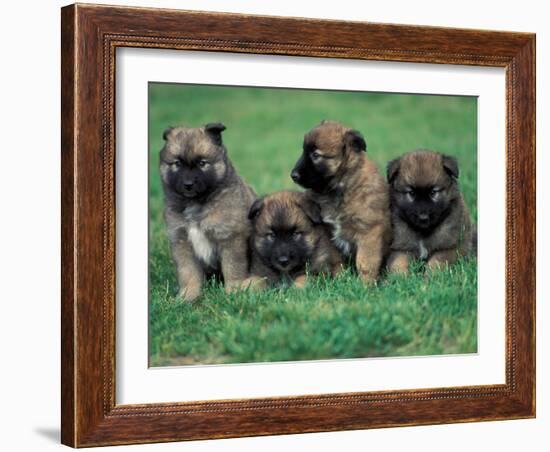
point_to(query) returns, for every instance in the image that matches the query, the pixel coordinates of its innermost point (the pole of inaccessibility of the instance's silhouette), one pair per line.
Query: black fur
(191, 181)
(255, 208)
(214, 130)
(355, 141)
(451, 166)
(284, 252)
(423, 214)
(166, 133)
(392, 170)
(309, 174)
(313, 211)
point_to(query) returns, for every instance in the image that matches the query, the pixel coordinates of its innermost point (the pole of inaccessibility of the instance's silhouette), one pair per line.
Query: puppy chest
(338, 238)
(422, 250)
(202, 246)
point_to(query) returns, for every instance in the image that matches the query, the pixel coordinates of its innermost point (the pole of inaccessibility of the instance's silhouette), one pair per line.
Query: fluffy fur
(206, 205)
(288, 237)
(351, 192)
(430, 219)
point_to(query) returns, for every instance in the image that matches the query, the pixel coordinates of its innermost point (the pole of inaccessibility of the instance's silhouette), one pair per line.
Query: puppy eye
(434, 194)
(203, 164)
(297, 235)
(175, 164)
(270, 236)
(316, 155)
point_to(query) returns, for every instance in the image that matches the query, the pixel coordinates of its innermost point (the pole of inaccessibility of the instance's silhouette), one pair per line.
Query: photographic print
(266, 231)
(291, 224)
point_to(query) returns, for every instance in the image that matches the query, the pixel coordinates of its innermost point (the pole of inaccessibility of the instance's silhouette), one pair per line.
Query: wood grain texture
(68, 298)
(90, 36)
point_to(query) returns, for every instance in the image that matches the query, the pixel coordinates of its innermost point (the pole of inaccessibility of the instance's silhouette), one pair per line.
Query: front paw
(190, 293)
(254, 283)
(300, 282)
(398, 263)
(368, 277)
(434, 265)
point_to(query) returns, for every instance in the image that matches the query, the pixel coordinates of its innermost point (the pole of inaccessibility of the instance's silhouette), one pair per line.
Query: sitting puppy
(287, 237)
(430, 219)
(353, 196)
(206, 204)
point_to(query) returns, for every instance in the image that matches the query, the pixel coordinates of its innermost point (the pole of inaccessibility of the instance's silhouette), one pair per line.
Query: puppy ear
(166, 133)
(392, 169)
(451, 166)
(255, 208)
(214, 130)
(312, 211)
(354, 140)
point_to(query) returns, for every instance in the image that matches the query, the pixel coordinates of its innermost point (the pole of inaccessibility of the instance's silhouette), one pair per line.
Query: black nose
(423, 216)
(283, 260)
(295, 176)
(188, 185)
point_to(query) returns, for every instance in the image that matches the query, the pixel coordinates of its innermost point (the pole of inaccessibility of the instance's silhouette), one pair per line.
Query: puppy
(353, 195)
(430, 219)
(288, 237)
(206, 204)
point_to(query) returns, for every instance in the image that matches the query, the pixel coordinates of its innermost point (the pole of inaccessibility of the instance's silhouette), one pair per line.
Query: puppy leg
(336, 269)
(398, 262)
(189, 270)
(336, 264)
(234, 263)
(370, 252)
(442, 258)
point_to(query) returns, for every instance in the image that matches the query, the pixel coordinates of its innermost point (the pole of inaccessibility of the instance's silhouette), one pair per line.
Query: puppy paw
(441, 260)
(254, 283)
(434, 265)
(300, 282)
(368, 278)
(189, 293)
(398, 263)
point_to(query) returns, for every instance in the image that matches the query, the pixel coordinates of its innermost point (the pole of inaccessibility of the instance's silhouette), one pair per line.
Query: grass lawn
(421, 314)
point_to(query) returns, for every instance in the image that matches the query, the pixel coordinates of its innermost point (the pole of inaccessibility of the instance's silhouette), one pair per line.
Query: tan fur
(325, 257)
(356, 205)
(452, 238)
(210, 236)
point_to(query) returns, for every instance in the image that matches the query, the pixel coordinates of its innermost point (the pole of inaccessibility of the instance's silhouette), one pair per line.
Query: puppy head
(423, 186)
(284, 230)
(327, 150)
(193, 161)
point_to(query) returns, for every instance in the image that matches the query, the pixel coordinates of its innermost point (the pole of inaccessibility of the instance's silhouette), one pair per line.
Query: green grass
(421, 314)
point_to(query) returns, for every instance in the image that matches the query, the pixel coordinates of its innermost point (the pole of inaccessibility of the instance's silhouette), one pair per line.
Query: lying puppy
(206, 204)
(353, 196)
(288, 236)
(430, 219)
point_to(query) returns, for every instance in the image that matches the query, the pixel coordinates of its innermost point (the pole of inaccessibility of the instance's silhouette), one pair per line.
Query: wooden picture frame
(90, 36)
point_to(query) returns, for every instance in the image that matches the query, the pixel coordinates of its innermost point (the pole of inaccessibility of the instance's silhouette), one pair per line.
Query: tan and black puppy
(206, 205)
(353, 195)
(288, 237)
(430, 219)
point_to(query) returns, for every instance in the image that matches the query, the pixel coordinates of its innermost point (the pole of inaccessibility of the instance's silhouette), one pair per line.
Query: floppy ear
(354, 140)
(166, 133)
(451, 166)
(255, 208)
(312, 211)
(214, 130)
(392, 169)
